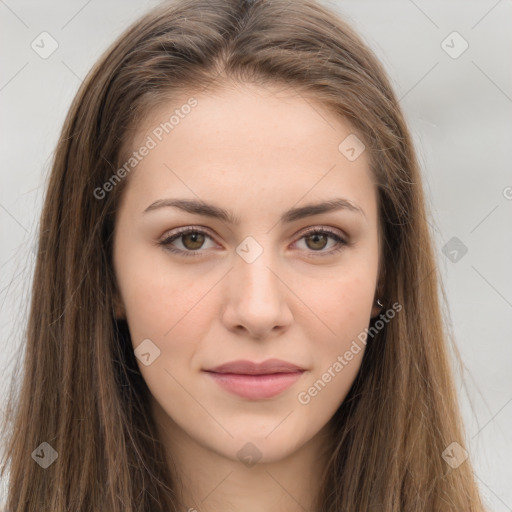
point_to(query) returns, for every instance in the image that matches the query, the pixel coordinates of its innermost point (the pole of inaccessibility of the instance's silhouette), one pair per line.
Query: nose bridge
(253, 272)
(255, 298)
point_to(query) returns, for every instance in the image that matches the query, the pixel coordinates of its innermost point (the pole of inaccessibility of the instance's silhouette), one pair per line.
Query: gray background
(459, 110)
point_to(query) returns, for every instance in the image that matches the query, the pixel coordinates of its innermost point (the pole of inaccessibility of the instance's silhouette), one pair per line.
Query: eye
(317, 239)
(191, 240)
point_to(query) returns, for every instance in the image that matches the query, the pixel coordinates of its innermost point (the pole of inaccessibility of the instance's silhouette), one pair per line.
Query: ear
(376, 309)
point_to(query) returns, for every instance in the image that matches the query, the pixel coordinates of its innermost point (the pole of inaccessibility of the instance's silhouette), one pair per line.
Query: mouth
(255, 381)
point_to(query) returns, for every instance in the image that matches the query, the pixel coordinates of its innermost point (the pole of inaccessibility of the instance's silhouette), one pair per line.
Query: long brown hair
(81, 391)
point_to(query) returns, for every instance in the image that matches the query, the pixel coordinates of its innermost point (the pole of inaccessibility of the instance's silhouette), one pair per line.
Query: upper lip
(244, 367)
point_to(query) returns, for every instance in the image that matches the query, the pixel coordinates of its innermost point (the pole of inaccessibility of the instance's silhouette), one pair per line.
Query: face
(255, 275)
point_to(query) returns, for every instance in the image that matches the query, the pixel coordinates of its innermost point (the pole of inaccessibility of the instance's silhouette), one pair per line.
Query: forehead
(248, 140)
(279, 117)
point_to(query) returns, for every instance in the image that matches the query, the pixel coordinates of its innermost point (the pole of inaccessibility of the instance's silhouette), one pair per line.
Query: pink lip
(256, 380)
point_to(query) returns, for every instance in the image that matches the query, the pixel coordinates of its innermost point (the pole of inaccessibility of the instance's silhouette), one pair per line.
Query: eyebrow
(209, 210)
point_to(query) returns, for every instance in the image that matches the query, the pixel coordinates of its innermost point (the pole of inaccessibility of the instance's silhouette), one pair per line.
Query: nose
(257, 298)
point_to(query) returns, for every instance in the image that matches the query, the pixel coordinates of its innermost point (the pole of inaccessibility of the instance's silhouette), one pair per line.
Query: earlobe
(378, 303)
(377, 307)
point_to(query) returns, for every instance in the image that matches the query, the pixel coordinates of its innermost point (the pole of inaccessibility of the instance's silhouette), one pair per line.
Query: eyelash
(166, 243)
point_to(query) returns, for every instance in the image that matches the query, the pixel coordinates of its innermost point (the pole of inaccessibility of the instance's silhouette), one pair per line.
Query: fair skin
(257, 152)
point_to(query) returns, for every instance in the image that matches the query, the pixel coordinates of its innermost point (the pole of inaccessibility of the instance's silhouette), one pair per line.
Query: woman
(235, 303)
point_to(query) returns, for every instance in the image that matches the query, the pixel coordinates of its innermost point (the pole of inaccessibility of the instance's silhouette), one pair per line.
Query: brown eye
(193, 240)
(318, 241)
(186, 242)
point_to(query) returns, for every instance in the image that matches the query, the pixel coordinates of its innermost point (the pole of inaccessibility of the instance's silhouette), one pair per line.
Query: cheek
(159, 303)
(342, 306)
(352, 304)
(343, 309)
(163, 307)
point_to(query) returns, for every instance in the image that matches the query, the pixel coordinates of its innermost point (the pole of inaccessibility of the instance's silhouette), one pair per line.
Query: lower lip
(255, 387)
